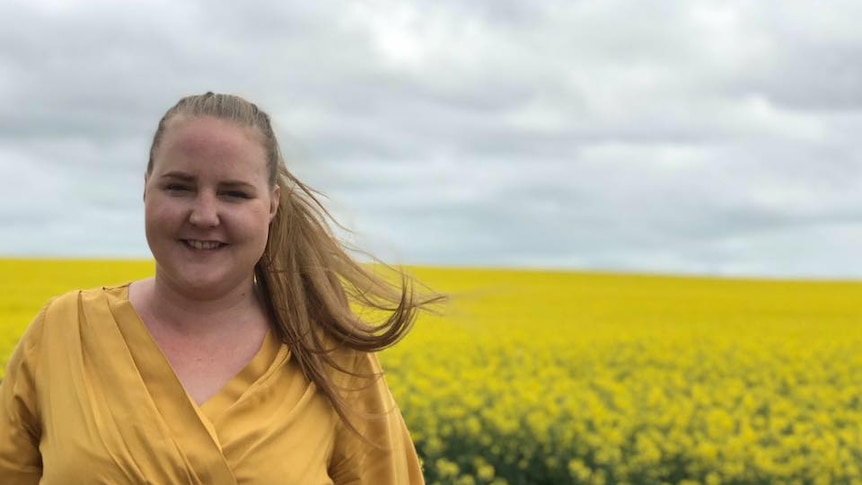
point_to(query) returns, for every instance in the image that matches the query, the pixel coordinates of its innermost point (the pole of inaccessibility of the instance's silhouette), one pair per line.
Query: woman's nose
(204, 211)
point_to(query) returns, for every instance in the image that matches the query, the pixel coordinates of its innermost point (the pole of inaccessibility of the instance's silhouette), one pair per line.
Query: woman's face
(208, 204)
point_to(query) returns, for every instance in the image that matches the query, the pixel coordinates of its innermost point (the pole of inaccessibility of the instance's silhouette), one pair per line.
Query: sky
(718, 138)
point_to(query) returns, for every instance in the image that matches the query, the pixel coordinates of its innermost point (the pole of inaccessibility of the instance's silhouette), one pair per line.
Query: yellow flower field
(558, 378)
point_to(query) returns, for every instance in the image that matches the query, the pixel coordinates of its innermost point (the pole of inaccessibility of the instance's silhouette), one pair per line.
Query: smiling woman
(240, 361)
(208, 203)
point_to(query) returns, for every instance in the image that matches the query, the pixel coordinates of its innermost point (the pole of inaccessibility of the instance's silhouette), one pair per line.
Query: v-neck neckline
(237, 385)
(193, 431)
(145, 349)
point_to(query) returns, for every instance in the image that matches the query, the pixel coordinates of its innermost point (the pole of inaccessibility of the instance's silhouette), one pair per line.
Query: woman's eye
(176, 188)
(234, 194)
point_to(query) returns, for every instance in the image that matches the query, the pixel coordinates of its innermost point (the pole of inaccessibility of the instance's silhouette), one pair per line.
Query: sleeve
(20, 430)
(386, 456)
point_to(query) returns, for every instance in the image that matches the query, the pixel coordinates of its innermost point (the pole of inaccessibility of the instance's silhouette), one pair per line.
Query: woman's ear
(146, 178)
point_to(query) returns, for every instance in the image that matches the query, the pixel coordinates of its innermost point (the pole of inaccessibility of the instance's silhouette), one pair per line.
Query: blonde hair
(308, 278)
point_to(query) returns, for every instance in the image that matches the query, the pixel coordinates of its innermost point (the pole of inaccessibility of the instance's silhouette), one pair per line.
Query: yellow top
(90, 398)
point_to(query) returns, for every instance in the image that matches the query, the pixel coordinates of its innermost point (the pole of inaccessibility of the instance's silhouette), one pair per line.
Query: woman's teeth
(203, 244)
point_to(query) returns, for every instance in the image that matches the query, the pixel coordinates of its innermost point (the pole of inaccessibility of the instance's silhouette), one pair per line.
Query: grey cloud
(671, 136)
(816, 76)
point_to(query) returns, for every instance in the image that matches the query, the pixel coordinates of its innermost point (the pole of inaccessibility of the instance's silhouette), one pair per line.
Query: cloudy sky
(699, 137)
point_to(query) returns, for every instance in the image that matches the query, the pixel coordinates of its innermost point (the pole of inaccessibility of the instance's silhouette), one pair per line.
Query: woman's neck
(190, 314)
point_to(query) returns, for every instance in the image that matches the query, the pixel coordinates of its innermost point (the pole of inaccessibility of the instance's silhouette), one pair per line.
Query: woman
(240, 362)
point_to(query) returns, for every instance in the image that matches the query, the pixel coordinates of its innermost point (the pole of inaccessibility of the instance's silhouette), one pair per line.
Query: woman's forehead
(211, 144)
(208, 134)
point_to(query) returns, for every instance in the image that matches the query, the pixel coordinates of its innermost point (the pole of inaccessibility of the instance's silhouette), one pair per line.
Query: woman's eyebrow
(185, 177)
(239, 184)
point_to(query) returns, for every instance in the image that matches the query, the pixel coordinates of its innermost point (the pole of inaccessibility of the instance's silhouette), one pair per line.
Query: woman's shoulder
(354, 369)
(62, 308)
(86, 295)
(60, 316)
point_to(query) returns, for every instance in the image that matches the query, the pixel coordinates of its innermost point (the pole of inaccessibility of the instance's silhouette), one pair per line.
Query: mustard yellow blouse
(89, 398)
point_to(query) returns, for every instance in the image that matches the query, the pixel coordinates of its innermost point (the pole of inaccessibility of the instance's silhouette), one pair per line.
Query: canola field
(573, 378)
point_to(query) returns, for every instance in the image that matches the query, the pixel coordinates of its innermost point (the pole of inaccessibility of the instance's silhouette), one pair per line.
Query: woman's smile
(203, 245)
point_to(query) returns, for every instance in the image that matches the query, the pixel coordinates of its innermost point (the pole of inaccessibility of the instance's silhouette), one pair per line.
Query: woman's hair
(306, 274)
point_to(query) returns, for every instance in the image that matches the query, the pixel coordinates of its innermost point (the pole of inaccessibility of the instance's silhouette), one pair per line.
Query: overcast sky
(705, 137)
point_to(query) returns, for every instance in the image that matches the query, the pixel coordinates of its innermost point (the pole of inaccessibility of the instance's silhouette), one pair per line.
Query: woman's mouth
(197, 244)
